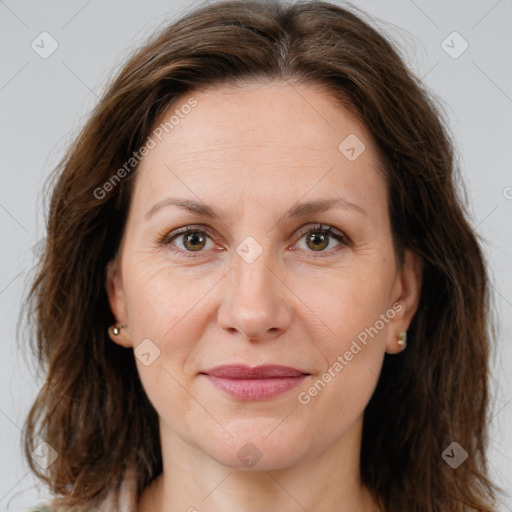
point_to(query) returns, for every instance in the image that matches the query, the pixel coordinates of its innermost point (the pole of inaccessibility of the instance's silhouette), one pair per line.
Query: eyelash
(165, 239)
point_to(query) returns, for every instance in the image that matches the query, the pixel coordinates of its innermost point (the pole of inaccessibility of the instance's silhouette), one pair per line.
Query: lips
(257, 372)
(255, 383)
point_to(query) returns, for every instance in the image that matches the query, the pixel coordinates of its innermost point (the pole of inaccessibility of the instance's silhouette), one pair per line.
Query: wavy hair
(92, 408)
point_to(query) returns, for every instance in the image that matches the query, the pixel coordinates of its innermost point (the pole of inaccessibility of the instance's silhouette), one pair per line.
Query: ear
(406, 295)
(117, 302)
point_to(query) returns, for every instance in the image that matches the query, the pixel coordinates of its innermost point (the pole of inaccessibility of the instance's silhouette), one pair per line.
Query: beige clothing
(122, 499)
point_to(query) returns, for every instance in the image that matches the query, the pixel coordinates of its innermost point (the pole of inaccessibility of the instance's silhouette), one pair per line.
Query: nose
(254, 301)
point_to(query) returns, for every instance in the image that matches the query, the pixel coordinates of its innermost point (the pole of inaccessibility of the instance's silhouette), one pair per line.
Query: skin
(253, 153)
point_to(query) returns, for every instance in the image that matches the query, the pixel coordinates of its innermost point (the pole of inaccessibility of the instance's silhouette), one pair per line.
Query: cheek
(348, 328)
(341, 391)
(344, 398)
(170, 307)
(345, 305)
(167, 390)
(160, 296)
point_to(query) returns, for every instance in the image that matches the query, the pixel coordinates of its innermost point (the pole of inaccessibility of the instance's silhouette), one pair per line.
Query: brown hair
(434, 393)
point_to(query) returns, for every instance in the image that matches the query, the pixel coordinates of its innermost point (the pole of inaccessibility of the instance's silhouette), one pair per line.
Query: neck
(192, 481)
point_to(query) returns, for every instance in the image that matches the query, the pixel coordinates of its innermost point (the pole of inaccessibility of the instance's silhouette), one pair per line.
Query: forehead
(258, 140)
(276, 115)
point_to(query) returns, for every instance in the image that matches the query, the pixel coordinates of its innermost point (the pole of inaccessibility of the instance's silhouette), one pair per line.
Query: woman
(263, 207)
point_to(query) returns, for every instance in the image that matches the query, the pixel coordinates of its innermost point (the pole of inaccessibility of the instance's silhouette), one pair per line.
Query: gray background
(45, 101)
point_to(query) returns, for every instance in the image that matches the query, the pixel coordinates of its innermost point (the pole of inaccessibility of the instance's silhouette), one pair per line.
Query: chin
(256, 450)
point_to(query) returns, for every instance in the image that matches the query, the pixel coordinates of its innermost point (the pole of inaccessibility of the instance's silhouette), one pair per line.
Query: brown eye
(194, 240)
(319, 238)
(188, 241)
(317, 241)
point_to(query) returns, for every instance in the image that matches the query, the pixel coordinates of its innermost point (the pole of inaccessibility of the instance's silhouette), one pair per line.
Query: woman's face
(256, 282)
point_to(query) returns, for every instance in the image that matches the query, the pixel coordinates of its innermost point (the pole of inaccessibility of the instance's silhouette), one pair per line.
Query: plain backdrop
(44, 102)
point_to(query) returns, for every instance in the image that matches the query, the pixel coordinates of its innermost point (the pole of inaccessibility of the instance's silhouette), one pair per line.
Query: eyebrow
(299, 210)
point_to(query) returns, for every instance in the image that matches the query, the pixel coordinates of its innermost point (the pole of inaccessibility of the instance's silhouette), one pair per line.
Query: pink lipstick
(255, 383)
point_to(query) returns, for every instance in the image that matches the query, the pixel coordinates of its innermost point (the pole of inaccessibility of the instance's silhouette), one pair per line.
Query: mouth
(255, 383)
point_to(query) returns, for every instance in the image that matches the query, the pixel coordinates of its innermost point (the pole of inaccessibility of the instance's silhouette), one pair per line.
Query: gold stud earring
(402, 339)
(116, 329)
